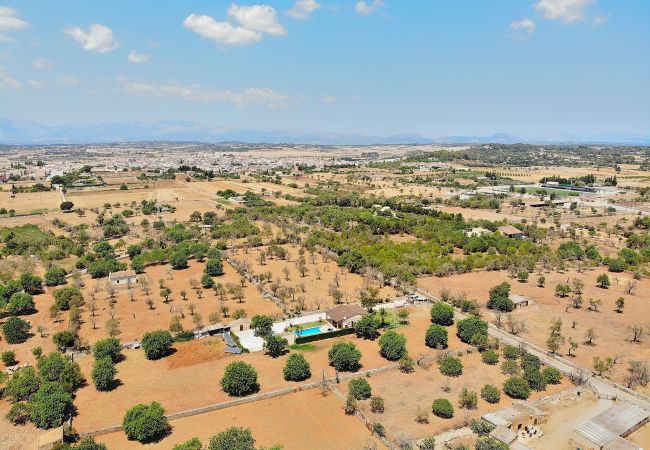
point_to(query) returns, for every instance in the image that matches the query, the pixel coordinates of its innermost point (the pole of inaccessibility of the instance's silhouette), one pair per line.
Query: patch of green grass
(303, 347)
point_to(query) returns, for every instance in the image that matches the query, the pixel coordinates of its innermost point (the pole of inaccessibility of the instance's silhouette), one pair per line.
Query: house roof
(342, 312)
(616, 421)
(509, 229)
(516, 298)
(121, 274)
(503, 434)
(518, 410)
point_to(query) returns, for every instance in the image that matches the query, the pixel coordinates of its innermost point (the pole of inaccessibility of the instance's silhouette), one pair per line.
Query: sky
(536, 68)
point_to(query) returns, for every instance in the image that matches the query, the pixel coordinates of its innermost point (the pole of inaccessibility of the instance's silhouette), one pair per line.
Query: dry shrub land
(253, 247)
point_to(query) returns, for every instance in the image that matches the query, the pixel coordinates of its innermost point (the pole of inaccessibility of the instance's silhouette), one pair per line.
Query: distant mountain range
(27, 132)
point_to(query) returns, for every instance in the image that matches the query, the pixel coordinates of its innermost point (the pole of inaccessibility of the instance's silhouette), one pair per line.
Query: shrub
(9, 358)
(344, 356)
(239, 379)
(467, 399)
(18, 414)
(406, 364)
(468, 328)
(392, 345)
(481, 427)
(192, 444)
(442, 314)
(511, 352)
(157, 344)
(31, 283)
(103, 374)
(490, 357)
(214, 267)
(233, 439)
(552, 375)
(535, 379)
(378, 429)
(452, 367)
(377, 404)
(16, 330)
(516, 387)
(56, 367)
(360, 388)
(207, 281)
(49, 406)
(436, 336)
(296, 368)
(350, 405)
(530, 362)
(510, 367)
(428, 443)
(443, 408)
(490, 394)
(110, 348)
(145, 423)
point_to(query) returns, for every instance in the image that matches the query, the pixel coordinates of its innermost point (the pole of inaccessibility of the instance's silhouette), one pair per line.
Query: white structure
(123, 277)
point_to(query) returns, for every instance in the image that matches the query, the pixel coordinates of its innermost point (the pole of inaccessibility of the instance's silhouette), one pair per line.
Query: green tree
(31, 283)
(157, 344)
(109, 347)
(436, 337)
(233, 438)
(275, 345)
(88, 443)
(516, 387)
(261, 324)
(490, 394)
(50, 405)
(54, 276)
(443, 408)
(367, 327)
(500, 298)
(603, 281)
(192, 444)
(103, 374)
(16, 330)
(239, 379)
(442, 314)
(468, 328)
(20, 303)
(214, 267)
(22, 384)
(450, 366)
(145, 423)
(360, 388)
(489, 443)
(392, 345)
(344, 356)
(63, 340)
(296, 368)
(66, 206)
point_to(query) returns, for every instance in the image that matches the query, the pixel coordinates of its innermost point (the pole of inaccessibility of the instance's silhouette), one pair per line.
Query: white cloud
(9, 21)
(34, 84)
(42, 64)
(599, 19)
(138, 57)
(153, 44)
(258, 18)
(526, 25)
(7, 82)
(565, 10)
(194, 92)
(302, 9)
(363, 7)
(221, 32)
(330, 99)
(98, 38)
(67, 79)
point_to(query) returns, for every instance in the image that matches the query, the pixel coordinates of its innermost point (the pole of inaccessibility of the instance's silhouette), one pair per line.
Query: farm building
(345, 316)
(607, 430)
(521, 414)
(478, 231)
(123, 277)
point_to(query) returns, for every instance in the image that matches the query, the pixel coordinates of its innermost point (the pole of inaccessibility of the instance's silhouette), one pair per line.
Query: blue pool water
(308, 331)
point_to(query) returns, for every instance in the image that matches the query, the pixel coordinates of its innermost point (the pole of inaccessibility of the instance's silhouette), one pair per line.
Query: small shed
(123, 277)
(517, 416)
(510, 231)
(477, 231)
(520, 300)
(503, 434)
(345, 316)
(242, 324)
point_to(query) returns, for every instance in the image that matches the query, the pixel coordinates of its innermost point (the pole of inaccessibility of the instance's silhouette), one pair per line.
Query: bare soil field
(319, 277)
(30, 201)
(303, 411)
(613, 336)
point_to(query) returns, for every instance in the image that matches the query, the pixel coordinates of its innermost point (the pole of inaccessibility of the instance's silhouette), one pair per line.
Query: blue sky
(534, 68)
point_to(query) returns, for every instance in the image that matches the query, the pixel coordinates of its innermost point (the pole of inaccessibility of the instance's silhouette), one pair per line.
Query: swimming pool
(308, 331)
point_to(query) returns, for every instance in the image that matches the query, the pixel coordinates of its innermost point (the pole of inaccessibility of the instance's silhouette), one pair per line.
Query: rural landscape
(324, 225)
